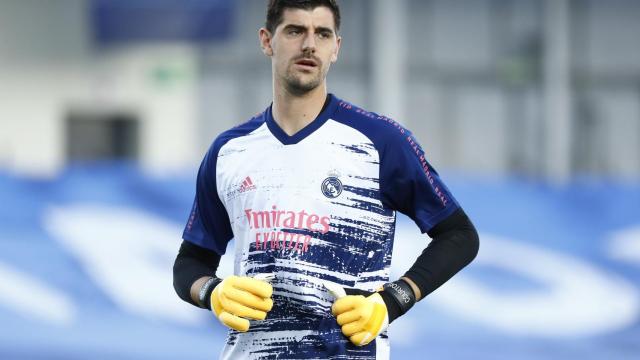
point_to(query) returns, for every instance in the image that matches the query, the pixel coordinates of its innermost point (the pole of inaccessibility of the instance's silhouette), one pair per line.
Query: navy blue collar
(329, 109)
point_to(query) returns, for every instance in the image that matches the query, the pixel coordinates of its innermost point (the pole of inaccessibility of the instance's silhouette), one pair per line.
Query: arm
(194, 265)
(455, 244)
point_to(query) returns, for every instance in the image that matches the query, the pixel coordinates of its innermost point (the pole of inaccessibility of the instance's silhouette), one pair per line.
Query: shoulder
(238, 131)
(380, 129)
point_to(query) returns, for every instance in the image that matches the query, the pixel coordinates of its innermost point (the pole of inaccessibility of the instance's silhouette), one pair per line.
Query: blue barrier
(85, 272)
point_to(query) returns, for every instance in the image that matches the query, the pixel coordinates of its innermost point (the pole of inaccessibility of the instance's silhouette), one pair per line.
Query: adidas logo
(246, 185)
(234, 190)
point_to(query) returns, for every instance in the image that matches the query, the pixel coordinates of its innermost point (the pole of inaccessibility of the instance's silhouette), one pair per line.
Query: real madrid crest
(332, 186)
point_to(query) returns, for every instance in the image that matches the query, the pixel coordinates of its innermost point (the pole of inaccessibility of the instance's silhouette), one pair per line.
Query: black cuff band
(402, 294)
(204, 295)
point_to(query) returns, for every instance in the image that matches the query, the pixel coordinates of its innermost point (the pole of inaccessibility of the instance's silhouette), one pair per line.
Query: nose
(309, 43)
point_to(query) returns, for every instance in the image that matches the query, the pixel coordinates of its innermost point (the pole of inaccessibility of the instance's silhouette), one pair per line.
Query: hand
(238, 298)
(362, 318)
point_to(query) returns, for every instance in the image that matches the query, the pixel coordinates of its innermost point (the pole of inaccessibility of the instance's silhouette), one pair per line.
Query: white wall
(48, 68)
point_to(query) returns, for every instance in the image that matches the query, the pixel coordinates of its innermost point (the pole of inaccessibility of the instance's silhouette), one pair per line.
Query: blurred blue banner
(119, 21)
(85, 272)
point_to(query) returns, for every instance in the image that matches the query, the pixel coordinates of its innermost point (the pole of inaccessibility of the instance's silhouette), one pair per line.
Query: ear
(265, 41)
(334, 56)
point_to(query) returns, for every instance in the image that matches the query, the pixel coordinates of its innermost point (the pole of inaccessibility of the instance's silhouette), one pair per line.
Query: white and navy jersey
(318, 206)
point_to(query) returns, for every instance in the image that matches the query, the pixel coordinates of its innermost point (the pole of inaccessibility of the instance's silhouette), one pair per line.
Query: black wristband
(402, 295)
(204, 294)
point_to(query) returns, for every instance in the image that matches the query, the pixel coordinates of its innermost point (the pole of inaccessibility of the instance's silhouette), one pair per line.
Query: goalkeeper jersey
(317, 206)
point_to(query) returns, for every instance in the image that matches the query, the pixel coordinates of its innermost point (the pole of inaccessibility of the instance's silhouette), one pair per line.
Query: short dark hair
(276, 9)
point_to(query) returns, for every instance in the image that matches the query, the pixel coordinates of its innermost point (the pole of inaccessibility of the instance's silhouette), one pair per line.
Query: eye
(324, 35)
(294, 32)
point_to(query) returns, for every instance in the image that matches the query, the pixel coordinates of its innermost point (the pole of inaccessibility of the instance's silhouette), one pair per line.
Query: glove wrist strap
(402, 295)
(204, 295)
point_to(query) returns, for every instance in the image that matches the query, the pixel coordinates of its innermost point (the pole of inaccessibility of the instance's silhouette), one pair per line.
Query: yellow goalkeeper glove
(238, 298)
(363, 315)
(362, 318)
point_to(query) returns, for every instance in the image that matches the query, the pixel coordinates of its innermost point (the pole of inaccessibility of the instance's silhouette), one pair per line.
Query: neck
(293, 112)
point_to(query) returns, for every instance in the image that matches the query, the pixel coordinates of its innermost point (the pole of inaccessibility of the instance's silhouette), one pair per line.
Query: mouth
(307, 63)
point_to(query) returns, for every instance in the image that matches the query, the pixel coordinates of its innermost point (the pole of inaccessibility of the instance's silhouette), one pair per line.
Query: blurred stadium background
(530, 109)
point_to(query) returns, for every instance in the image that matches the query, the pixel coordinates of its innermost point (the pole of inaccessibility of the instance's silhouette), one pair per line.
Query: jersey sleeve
(410, 185)
(208, 225)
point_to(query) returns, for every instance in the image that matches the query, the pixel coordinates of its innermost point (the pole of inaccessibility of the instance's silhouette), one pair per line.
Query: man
(309, 189)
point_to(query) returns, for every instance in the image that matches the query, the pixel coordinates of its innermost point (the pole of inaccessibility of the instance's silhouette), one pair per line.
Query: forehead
(320, 16)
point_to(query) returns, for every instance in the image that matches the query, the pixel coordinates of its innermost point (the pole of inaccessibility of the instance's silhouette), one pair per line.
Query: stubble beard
(297, 85)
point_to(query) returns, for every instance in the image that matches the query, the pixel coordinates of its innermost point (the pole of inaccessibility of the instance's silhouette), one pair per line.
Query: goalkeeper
(309, 190)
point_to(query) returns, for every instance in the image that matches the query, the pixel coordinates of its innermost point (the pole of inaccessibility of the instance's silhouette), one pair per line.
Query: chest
(326, 171)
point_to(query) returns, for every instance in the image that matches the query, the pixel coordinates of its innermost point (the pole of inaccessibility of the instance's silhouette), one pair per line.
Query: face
(302, 48)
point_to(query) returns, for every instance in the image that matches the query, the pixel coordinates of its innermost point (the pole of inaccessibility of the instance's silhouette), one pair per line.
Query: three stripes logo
(246, 185)
(236, 189)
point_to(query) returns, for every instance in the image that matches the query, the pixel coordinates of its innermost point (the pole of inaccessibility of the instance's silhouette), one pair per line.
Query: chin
(299, 86)
(301, 90)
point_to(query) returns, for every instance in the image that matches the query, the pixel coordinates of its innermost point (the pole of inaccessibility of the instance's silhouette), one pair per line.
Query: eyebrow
(319, 29)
